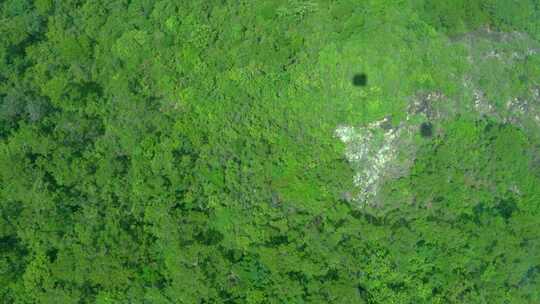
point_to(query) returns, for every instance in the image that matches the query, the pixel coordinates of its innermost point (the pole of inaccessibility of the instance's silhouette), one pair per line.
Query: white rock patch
(370, 150)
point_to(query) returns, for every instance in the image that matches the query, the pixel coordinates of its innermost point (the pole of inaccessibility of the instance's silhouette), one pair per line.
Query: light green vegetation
(185, 152)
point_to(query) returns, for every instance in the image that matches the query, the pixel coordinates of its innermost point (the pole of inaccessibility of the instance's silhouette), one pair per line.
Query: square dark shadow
(360, 80)
(426, 129)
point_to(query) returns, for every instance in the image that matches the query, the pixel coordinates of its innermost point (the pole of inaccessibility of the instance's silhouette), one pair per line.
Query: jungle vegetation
(161, 151)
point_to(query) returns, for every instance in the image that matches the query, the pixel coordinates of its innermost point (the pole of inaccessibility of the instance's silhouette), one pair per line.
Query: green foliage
(184, 152)
(460, 16)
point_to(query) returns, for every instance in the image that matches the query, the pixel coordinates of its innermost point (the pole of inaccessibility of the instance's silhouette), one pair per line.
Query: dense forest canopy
(223, 152)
